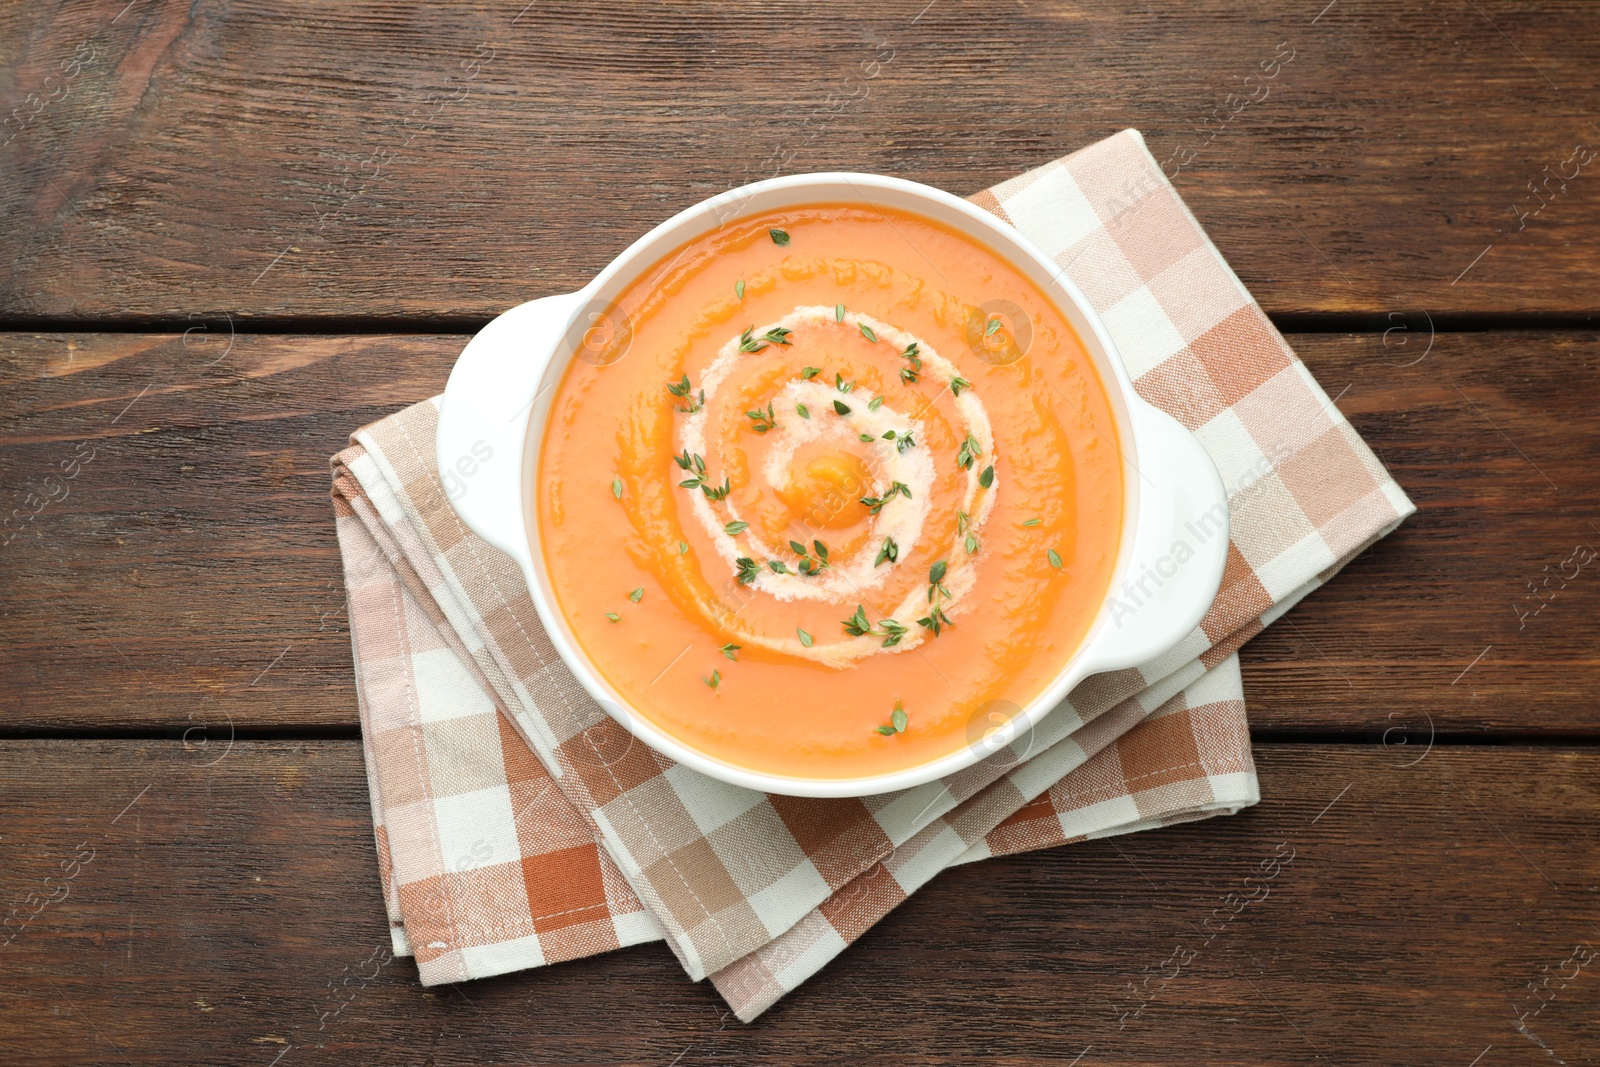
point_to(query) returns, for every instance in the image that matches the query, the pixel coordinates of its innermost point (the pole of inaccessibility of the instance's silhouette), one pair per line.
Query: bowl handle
(1180, 547)
(483, 420)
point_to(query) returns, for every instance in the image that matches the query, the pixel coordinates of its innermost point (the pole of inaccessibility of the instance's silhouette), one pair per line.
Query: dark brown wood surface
(232, 231)
(230, 912)
(289, 158)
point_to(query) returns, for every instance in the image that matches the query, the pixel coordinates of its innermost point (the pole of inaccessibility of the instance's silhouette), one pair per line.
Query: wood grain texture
(293, 159)
(196, 548)
(231, 911)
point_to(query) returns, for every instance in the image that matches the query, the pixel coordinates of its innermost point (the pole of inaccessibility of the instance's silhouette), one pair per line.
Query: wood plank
(231, 914)
(196, 548)
(286, 158)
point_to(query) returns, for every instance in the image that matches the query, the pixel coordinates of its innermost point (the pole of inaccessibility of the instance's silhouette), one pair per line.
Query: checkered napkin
(517, 825)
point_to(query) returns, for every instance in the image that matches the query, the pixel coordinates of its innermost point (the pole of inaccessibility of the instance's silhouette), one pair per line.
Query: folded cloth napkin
(518, 825)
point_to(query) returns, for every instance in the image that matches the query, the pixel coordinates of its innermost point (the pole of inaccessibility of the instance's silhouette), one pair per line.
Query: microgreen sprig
(910, 374)
(857, 624)
(936, 619)
(901, 441)
(970, 451)
(761, 421)
(807, 565)
(897, 721)
(683, 390)
(875, 503)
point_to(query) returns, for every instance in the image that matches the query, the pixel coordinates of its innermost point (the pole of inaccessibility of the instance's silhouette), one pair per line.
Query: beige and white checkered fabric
(518, 825)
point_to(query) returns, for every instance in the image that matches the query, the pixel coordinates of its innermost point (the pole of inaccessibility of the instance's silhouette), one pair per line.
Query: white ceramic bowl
(499, 397)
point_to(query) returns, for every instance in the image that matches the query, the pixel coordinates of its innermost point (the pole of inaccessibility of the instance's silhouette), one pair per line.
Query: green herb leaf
(613, 616)
(935, 620)
(778, 335)
(936, 572)
(799, 549)
(735, 528)
(972, 544)
(683, 548)
(616, 488)
(682, 388)
(838, 313)
(805, 638)
(993, 328)
(748, 570)
(890, 551)
(748, 343)
(715, 493)
(738, 288)
(898, 719)
(962, 521)
(1032, 522)
(1055, 560)
(957, 384)
(729, 649)
(840, 384)
(886, 731)
(810, 373)
(777, 566)
(866, 331)
(970, 451)
(637, 595)
(875, 503)
(904, 442)
(866, 438)
(839, 406)
(803, 411)
(892, 632)
(715, 679)
(857, 624)
(822, 550)
(779, 237)
(762, 421)
(986, 479)
(875, 403)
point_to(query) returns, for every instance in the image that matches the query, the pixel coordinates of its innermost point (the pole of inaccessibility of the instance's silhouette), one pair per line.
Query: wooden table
(234, 231)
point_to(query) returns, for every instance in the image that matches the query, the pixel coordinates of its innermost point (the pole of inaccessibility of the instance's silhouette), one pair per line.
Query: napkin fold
(517, 825)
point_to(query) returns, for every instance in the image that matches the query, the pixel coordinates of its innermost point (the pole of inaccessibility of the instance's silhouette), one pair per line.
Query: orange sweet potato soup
(845, 484)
